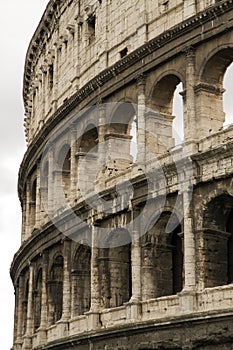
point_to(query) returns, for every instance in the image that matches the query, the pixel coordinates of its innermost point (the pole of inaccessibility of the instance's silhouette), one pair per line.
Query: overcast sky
(18, 20)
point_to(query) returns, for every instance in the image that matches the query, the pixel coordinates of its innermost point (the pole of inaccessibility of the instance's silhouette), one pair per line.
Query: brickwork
(169, 286)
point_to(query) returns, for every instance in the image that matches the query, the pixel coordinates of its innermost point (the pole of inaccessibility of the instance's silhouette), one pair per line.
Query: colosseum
(127, 233)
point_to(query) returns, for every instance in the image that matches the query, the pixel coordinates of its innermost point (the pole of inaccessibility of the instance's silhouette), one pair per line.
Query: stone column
(187, 296)
(73, 164)
(24, 218)
(190, 115)
(136, 257)
(102, 132)
(141, 134)
(66, 309)
(50, 207)
(77, 40)
(44, 300)
(20, 310)
(95, 302)
(38, 200)
(93, 314)
(27, 223)
(189, 243)
(29, 325)
(54, 63)
(74, 295)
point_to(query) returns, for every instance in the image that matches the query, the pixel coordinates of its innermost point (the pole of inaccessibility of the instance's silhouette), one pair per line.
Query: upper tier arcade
(77, 40)
(126, 250)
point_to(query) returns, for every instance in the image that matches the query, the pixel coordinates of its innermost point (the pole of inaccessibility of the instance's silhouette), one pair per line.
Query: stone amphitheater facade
(121, 251)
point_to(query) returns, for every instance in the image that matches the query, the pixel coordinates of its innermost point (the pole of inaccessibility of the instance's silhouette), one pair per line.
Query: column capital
(190, 52)
(73, 129)
(141, 81)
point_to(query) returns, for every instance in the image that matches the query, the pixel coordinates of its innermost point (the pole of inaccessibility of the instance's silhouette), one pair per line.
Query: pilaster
(66, 309)
(190, 113)
(73, 163)
(44, 300)
(141, 125)
(27, 342)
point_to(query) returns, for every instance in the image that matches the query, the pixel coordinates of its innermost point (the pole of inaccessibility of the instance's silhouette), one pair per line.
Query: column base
(133, 310)
(17, 345)
(27, 343)
(187, 300)
(93, 320)
(41, 336)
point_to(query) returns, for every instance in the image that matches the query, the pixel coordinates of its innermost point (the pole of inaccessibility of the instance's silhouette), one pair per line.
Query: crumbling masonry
(169, 284)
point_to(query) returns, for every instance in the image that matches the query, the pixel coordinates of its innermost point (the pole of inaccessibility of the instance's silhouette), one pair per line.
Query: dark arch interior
(56, 290)
(218, 241)
(162, 259)
(81, 280)
(164, 92)
(37, 299)
(89, 140)
(122, 119)
(216, 66)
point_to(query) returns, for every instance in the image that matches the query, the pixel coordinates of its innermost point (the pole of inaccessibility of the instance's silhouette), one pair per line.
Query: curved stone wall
(124, 249)
(76, 40)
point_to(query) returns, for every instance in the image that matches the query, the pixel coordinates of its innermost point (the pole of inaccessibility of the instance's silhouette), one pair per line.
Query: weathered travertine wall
(124, 250)
(76, 40)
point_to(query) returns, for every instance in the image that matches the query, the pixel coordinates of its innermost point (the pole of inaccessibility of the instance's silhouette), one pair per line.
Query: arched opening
(44, 174)
(87, 159)
(55, 284)
(64, 161)
(227, 96)
(177, 260)
(162, 260)
(122, 137)
(115, 270)
(133, 144)
(37, 296)
(89, 140)
(33, 203)
(178, 112)
(165, 127)
(210, 110)
(25, 306)
(81, 281)
(217, 251)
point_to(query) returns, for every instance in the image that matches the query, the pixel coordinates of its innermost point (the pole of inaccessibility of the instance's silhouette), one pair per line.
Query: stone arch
(215, 64)
(160, 120)
(121, 117)
(217, 241)
(37, 296)
(115, 270)
(33, 200)
(81, 280)
(64, 164)
(87, 159)
(55, 288)
(44, 183)
(121, 131)
(89, 140)
(209, 91)
(25, 304)
(162, 259)
(162, 92)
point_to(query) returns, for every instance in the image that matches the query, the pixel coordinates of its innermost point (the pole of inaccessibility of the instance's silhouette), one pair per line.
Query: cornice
(51, 13)
(117, 69)
(42, 30)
